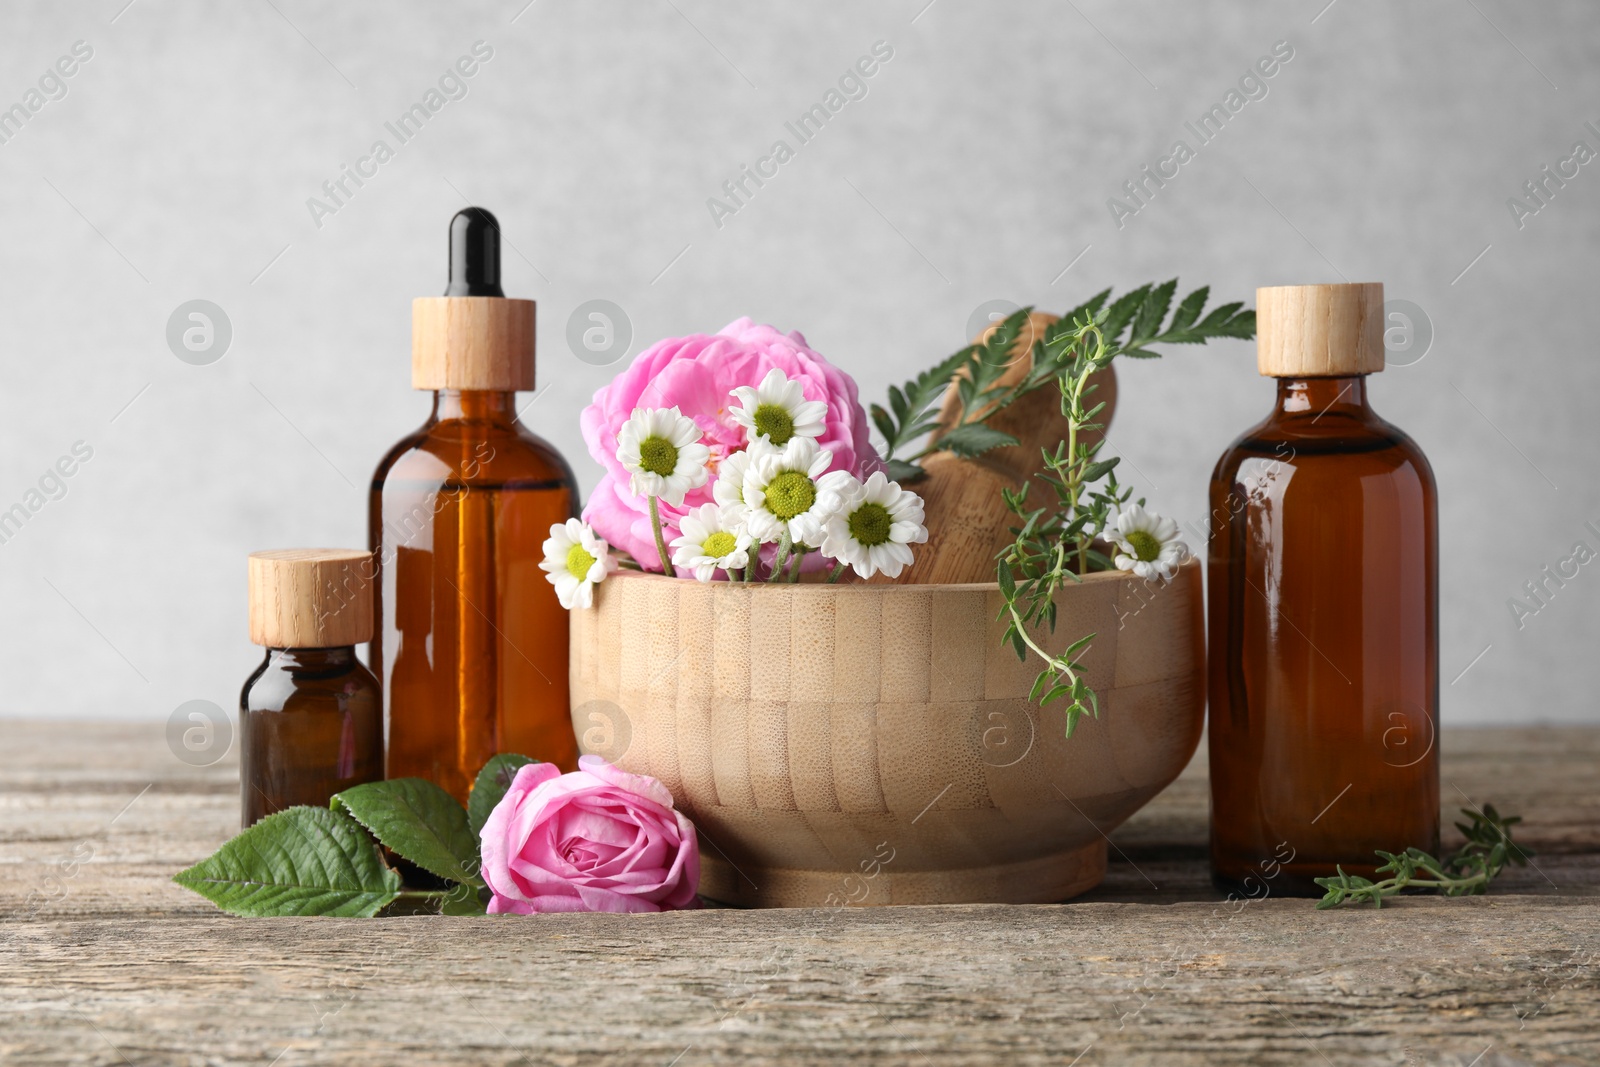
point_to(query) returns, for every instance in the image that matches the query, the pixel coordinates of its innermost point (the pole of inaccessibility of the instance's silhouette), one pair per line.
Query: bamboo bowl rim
(964, 587)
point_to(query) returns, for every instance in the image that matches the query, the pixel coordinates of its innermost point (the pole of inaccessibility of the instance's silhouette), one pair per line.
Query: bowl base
(1047, 880)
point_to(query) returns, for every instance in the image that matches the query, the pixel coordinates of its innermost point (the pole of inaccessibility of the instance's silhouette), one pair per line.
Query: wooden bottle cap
(472, 342)
(1319, 331)
(311, 597)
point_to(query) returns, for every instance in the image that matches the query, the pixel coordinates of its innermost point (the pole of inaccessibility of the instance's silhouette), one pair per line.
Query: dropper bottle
(472, 642)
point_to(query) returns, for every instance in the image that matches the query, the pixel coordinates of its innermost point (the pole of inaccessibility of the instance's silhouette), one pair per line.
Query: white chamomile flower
(875, 528)
(575, 561)
(708, 543)
(1147, 544)
(786, 490)
(777, 411)
(661, 451)
(728, 489)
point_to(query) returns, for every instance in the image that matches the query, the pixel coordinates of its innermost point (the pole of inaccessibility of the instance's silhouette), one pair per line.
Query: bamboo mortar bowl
(874, 744)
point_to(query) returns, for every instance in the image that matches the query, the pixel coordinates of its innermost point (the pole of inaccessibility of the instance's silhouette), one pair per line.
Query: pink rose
(598, 839)
(695, 374)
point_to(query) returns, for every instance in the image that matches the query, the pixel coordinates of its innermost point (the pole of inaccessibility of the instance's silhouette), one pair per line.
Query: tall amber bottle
(1323, 583)
(472, 643)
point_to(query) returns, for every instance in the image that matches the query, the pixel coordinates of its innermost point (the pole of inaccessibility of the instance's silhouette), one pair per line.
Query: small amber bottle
(472, 642)
(1323, 583)
(311, 718)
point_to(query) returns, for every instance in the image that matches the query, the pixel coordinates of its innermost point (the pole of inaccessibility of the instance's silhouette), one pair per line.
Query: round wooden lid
(1319, 331)
(311, 597)
(472, 342)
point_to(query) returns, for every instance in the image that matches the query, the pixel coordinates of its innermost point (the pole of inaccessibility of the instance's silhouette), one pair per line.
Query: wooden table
(106, 961)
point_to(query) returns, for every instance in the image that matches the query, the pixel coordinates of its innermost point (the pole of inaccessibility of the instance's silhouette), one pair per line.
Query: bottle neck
(1324, 396)
(334, 659)
(475, 405)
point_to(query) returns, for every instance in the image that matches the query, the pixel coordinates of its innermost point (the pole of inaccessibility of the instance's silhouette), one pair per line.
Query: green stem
(1393, 885)
(834, 577)
(1059, 666)
(799, 557)
(661, 543)
(782, 555)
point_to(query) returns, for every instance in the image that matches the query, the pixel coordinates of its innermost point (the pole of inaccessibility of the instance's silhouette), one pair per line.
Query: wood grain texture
(967, 521)
(472, 342)
(118, 965)
(311, 597)
(1319, 331)
(1035, 420)
(876, 744)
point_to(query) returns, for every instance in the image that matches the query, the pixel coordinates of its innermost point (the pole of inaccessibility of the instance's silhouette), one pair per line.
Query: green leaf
(911, 403)
(1008, 582)
(974, 440)
(1189, 310)
(463, 900)
(1122, 311)
(300, 861)
(881, 419)
(897, 400)
(418, 821)
(904, 473)
(1151, 313)
(490, 787)
(1089, 308)
(1100, 468)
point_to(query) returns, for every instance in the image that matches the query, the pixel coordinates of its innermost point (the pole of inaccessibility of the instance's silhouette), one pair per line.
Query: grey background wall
(976, 167)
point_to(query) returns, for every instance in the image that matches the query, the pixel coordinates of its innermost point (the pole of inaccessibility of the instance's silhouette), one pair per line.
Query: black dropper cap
(474, 254)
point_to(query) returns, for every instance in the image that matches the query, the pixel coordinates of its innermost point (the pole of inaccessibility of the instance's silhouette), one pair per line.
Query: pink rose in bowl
(696, 374)
(598, 839)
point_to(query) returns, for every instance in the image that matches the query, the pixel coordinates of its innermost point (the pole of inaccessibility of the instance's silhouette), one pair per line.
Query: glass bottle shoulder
(470, 453)
(1358, 441)
(287, 677)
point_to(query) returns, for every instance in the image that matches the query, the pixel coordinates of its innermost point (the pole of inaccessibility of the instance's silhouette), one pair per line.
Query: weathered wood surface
(105, 961)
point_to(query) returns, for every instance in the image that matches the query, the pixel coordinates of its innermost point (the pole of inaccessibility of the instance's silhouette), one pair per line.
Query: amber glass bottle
(310, 717)
(472, 642)
(1323, 590)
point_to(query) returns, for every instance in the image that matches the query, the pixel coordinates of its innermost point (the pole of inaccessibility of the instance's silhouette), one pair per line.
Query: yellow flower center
(578, 562)
(719, 544)
(658, 456)
(869, 524)
(1144, 544)
(789, 494)
(775, 422)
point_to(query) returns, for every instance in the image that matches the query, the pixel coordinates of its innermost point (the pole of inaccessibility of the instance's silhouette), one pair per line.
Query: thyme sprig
(1055, 542)
(1487, 851)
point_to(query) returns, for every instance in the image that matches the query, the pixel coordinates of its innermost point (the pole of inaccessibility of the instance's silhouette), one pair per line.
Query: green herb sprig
(1129, 325)
(1055, 542)
(1487, 851)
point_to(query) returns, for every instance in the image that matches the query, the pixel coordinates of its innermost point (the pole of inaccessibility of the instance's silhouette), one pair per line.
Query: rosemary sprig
(1487, 850)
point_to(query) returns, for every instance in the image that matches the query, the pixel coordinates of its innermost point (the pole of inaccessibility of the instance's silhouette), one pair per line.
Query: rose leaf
(300, 861)
(418, 821)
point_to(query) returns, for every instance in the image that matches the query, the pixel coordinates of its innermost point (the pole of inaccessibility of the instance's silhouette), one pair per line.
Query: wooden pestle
(967, 521)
